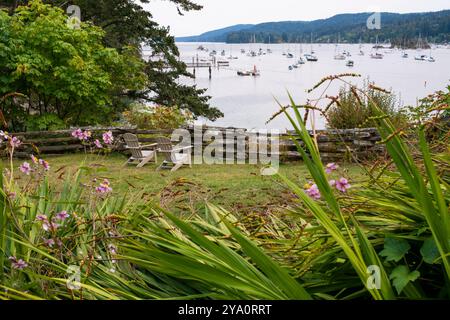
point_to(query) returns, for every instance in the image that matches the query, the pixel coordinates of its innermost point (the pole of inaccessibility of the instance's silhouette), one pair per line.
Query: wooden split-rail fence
(334, 145)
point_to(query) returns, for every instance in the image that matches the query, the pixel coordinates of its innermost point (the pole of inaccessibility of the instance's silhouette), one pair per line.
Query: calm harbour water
(248, 102)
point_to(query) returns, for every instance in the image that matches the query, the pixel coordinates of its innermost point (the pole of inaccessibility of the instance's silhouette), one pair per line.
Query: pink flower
(18, 264)
(104, 187)
(331, 167)
(313, 192)
(25, 168)
(41, 217)
(86, 135)
(77, 134)
(81, 135)
(342, 185)
(332, 183)
(34, 159)
(98, 144)
(49, 242)
(108, 137)
(44, 164)
(50, 226)
(15, 142)
(63, 215)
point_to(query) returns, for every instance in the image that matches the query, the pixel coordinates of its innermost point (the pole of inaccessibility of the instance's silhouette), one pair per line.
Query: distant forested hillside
(396, 28)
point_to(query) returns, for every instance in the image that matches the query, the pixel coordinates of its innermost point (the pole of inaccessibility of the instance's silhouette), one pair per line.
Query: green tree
(127, 23)
(61, 70)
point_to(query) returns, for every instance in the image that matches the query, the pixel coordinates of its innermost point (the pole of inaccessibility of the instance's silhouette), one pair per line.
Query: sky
(217, 14)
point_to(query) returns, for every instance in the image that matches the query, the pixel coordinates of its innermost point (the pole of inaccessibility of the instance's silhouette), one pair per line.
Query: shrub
(352, 111)
(156, 117)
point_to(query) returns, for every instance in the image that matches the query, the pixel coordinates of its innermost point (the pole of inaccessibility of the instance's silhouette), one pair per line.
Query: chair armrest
(149, 145)
(175, 149)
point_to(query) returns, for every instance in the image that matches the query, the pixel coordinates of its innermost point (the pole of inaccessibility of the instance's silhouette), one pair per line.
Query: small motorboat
(405, 55)
(301, 61)
(421, 57)
(431, 59)
(289, 55)
(361, 53)
(350, 63)
(244, 73)
(255, 73)
(242, 51)
(311, 58)
(290, 67)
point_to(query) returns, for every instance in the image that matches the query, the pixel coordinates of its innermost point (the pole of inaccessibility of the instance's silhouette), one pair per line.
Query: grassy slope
(239, 188)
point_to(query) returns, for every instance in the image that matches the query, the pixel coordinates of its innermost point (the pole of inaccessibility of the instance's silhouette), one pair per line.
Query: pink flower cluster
(14, 142)
(342, 184)
(331, 167)
(18, 264)
(27, 169)
(104, 187)
(81, 135)
(52, 225)
(107, 137)
(313, 192)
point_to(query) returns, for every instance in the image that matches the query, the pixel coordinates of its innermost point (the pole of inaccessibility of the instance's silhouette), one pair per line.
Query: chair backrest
(132, 143)
(165, 146)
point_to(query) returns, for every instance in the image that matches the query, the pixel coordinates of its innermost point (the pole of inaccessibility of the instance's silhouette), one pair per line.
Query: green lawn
(239, 188)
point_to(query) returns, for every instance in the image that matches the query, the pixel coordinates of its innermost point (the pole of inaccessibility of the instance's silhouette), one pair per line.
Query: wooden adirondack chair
(137, 150)
(173, 158)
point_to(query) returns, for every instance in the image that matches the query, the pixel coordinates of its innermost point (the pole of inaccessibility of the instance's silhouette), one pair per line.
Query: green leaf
(401, 277)
(429, 251)
(394, 249)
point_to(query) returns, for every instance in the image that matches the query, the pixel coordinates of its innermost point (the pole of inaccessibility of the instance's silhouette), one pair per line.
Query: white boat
(350, 63)
(422, 57)
(311, 58)
(301, 61)
(290, 67)
(431, 59)
(242, 51)
(289, 55)
(405, 55)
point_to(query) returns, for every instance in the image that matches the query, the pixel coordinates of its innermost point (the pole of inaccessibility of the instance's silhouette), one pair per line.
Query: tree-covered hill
(433, 26)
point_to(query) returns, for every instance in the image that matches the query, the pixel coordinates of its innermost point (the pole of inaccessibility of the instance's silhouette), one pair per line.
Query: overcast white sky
(223, 13)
